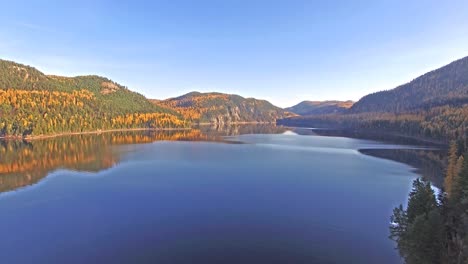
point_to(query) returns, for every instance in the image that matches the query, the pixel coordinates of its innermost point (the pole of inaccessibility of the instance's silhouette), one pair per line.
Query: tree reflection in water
(24, 163)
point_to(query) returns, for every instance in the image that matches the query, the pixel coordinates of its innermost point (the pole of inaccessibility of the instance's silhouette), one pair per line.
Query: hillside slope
(434, 105)
(320, 107)
(223, 108)
(110, 94)
(32, 103)
(444, 86)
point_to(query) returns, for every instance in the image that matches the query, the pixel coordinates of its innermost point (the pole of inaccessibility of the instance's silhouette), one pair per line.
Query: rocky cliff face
(218, 108)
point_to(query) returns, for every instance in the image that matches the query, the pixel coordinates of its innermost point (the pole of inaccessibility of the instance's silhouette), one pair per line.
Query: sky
(283, 51)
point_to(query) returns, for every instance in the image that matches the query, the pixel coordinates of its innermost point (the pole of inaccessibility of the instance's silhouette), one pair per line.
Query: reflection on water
(372, 135)
(429, 163)
(235, 130)
(24, 163)
(273, 199)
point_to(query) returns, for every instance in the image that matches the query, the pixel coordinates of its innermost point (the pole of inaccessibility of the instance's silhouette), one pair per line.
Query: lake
(246, 194)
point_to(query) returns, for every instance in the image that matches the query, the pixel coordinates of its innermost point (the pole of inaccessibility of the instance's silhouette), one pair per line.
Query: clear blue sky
(283, 51)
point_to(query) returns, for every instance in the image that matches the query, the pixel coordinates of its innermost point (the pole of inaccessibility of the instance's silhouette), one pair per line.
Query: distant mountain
(32, 104)
(222, 108)
(445, 86)
(320, 107)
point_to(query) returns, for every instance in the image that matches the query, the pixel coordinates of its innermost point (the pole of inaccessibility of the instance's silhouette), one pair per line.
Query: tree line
(41, 112)
(440, 123)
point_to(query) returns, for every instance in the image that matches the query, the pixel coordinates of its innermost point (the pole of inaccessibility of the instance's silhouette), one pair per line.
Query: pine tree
(421, 201)
(460, 186)
(419, 230)
(451, 169)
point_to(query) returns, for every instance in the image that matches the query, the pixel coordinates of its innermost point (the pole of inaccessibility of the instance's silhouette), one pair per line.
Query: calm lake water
(242, 195)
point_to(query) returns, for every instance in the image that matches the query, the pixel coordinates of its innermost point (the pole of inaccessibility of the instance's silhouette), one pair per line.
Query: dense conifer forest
(305, 108)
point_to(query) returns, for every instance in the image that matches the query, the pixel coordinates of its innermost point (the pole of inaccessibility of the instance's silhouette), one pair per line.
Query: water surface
(199, 197)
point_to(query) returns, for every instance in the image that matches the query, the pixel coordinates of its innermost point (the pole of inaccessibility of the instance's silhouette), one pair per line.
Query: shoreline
(31, 138)
(194, 126)
(234, 123)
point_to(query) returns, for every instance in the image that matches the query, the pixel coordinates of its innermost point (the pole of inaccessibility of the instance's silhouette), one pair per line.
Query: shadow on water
(428, 161)
(370, 135)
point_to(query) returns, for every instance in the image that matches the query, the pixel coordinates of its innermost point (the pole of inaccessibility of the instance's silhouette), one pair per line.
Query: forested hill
(320, 107)
(434, 105)
(445, 86)
(32, 103)
(111, 94)
(223, 108)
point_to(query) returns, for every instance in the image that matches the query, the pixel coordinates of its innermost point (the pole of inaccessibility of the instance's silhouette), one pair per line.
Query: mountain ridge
(320, 107)
(34, 104)
(433, 105)
(222, 108)
(440, 86)
(18, 76)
